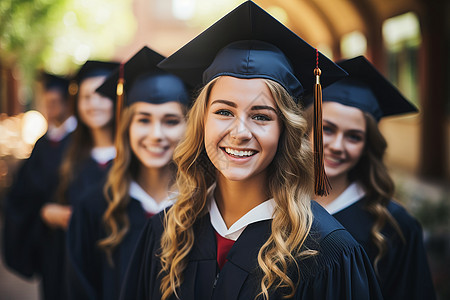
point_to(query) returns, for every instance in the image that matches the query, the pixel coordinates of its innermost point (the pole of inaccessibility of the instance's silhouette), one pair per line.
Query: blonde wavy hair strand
(116, 188)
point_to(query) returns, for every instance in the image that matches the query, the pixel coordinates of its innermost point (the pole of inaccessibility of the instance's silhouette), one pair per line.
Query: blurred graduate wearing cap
(54, 213)
(92, 150)
(35, 185)
(243, 225)
(105, 226)
(361, 198)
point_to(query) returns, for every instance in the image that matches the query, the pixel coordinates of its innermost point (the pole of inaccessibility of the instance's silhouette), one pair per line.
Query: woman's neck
(102, 137)
(155, 181)
(339, 185)
(235, 198)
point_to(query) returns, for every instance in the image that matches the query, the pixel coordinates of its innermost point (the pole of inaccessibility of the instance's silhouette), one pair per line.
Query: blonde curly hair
(290, 183)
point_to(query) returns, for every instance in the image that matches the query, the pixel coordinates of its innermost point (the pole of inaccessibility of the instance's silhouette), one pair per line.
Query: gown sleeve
(404, 271)
(22, 223)
(141, 276)
(84, 270)
(340, 271)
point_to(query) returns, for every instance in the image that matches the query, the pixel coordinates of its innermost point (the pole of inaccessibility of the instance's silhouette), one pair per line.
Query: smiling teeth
(239, 153)
(334, 160)
(154, 149)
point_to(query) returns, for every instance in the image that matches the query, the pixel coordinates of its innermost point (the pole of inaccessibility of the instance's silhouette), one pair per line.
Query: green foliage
(59, 35)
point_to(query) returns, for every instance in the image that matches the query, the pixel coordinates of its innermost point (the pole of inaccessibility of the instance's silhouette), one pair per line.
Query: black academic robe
(90, 274)
(340, 270)
(55, 281)
(90, 175)
(403, 271)
(30, 247)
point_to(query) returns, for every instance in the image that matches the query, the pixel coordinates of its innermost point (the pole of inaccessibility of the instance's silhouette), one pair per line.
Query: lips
(239, 153)
(95, 112)
(333, 161)
(157, 150)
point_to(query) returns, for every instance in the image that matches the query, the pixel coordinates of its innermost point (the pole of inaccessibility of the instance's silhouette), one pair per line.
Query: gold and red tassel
(322, 184)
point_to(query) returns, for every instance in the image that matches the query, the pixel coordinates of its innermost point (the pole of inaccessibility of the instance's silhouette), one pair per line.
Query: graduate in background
(244, 225)
(105, 226)
(77, 171)
(92, 150)
(25, 232)
(361, 198)
(58, 112)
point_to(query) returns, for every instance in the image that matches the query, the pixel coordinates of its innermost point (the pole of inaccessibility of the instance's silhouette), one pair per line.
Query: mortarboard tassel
(73, 90)
(119, 93)
(322, 184)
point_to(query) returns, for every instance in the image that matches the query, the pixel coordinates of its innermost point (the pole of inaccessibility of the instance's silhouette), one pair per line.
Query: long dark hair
(372, 174)
(77, 153)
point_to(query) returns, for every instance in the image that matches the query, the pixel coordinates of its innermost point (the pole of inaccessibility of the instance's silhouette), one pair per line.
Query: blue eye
(355, 138)
(327, 129)
(224, 112)
(172, 122)
(143, 120)
(262, 118)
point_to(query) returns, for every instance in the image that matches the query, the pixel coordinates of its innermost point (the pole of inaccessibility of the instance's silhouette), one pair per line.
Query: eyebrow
(229, 103)
(255, 107)
(143, 113)
(146, 114)
(260, 107)
(351, 130)
(172, 116)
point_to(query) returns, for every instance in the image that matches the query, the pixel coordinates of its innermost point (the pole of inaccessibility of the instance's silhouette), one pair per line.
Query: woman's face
(94, 110)
(344, 138)
(242, 127)
(155, 131)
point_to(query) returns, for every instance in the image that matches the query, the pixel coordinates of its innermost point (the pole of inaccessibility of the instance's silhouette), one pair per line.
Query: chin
(156, 163)
(235, 176)
(331, 174)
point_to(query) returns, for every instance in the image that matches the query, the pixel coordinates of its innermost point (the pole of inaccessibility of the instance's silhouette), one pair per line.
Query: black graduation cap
(144, 81)
(91, 68)
(250, 43)
(52, 81)
(367, 90)
(94, 68)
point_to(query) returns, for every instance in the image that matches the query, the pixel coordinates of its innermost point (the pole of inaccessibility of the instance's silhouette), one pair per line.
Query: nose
(336, 144)
(156, 131)
(240, 131)
(94, 99)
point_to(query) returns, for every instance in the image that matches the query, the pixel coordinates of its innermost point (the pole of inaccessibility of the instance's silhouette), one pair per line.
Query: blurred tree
(58, 35)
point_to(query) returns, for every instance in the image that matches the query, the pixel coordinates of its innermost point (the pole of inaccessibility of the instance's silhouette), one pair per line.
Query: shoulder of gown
(404, 271)
(340, 269)
(144, 265)
(84, 257)
(33, 186)
(91, 276)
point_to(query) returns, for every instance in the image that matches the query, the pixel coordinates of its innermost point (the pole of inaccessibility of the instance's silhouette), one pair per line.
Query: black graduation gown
(90, 275)
(55, 282)
(403, 271)
(29, 245)
(90, 175)
(341, 270)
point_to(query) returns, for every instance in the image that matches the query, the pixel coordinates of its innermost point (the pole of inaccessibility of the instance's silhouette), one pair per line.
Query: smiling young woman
(361, 198)
(243, 225)
(106, 224)
(84, 162)
(91, 151)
